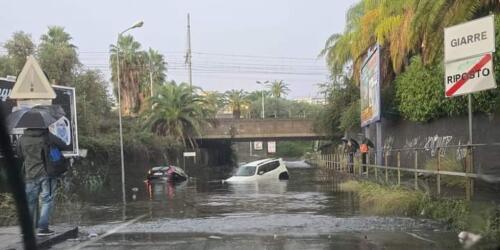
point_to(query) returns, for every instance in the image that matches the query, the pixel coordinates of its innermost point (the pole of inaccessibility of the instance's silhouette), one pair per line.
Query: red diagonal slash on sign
(484, 60)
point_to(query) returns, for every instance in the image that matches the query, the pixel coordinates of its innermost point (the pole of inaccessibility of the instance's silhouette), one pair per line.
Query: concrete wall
(253, 129)
(443, 133)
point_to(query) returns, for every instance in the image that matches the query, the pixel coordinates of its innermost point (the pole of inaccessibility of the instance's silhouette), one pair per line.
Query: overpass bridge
(261, 129)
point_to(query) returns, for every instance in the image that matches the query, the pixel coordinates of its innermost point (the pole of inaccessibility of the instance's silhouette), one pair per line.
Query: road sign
(469, 39)
(257, 145)
(271, 147)
(469, 75)
(32, 83)
(189, 154)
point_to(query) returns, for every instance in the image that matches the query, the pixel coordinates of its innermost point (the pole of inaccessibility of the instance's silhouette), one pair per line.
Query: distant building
(311, 100)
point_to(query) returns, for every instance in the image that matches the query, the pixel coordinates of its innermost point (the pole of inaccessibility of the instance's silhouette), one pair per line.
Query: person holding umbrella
(350, 148)
(32, 148)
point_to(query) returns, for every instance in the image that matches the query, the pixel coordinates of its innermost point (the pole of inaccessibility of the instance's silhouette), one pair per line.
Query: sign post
(468, 57)
(186, 155)
(468, 60)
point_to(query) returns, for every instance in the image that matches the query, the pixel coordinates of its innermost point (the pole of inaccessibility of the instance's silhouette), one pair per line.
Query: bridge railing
(448, 170)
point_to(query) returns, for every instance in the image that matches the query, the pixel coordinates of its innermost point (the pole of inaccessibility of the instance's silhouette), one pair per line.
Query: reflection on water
(306, 211)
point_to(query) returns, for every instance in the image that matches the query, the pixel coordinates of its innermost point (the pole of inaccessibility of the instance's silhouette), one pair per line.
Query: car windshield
(245, 171)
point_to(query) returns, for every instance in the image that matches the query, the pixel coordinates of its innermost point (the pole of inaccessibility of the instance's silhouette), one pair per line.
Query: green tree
(57, 56)
(92, 101)
(179, 113)
(6, 68)
(132, 65)
(236, 99)
(18, 47)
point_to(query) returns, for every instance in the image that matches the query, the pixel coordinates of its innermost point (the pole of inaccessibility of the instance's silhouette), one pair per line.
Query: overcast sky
(234, 43)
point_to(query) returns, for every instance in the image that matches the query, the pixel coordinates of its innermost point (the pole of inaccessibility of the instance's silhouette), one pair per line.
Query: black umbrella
(354, 143)
(39, 117)
(368, 143)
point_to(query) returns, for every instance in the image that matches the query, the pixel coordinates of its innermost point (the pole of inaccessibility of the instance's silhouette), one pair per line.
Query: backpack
(55, 163)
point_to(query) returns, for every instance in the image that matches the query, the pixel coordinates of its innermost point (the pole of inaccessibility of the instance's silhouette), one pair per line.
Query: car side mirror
(261, 173)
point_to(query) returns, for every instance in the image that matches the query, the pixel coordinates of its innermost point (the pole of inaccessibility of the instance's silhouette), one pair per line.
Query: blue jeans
(43, 187)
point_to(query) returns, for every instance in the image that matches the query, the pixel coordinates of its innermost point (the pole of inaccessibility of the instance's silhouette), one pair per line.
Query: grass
(448, 163)
(483, 218)
(382, 200)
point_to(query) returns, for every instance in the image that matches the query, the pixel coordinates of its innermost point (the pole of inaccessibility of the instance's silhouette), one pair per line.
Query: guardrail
(391, 162)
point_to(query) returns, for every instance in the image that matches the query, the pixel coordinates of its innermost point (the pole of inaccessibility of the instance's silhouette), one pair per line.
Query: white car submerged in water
(266, 169)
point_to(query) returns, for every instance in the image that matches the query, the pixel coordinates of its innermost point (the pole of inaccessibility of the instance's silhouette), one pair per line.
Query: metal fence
(450, 170)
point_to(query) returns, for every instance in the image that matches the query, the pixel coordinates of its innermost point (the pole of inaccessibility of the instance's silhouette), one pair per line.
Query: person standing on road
(39, 184)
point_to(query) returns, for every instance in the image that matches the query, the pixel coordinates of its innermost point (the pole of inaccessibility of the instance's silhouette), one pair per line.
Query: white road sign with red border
(469, 75)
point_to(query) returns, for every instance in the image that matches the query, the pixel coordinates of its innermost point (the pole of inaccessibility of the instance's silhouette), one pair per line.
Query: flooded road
(305, 212)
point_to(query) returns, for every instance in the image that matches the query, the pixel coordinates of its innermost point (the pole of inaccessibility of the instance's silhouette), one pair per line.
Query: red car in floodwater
(167, 173)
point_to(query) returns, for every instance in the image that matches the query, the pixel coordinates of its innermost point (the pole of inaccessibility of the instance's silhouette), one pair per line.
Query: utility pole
(188, 55)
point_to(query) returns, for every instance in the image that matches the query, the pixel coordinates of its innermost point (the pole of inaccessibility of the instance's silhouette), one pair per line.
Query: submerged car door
(266, 170)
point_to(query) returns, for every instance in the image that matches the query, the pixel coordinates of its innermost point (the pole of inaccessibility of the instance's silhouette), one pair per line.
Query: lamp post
(136, 25)
(263, 108)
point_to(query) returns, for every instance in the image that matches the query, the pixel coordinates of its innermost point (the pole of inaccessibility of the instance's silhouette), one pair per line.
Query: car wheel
(284, 176)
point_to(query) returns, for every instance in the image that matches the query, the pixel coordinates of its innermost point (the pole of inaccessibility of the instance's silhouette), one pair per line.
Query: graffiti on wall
(434, 142)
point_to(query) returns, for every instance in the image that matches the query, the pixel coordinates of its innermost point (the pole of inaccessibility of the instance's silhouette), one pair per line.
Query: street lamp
(136, 25)
(263, 109)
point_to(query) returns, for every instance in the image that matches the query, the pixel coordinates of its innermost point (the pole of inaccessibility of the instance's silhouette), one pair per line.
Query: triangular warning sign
(32, 83)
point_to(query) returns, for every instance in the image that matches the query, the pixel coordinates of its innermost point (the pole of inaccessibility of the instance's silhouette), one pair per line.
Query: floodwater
(306, 212)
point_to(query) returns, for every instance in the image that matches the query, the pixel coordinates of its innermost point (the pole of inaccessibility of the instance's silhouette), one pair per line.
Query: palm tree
(132, 62)
(58, 57)
(403, 27)
(213, 99)
(179, 113)
(157, 67)
(236, 99)
(278, 89)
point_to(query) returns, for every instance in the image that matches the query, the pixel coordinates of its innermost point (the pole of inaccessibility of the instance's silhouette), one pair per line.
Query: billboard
(370, 87)
(66, 98)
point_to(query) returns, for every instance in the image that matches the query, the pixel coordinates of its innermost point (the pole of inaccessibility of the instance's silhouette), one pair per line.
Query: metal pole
(385, 161)
(438, 176)
(188, 59)
(470, 118)
(124, 195)
(378, 157)
(263, 108)
(399, 168)
(416, 167)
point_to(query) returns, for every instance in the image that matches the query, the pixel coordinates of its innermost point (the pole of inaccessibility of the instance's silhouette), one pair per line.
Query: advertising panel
(66, 99)
(370, 87)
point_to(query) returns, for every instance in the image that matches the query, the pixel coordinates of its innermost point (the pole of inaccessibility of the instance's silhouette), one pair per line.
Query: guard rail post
(438, 176)
(399, 167)
(385, 163)
(416, 168)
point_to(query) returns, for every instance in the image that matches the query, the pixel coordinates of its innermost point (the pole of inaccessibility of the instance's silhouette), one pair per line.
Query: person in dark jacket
(30, 148)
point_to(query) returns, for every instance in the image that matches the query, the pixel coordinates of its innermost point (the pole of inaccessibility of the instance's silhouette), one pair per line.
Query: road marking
(112, 231)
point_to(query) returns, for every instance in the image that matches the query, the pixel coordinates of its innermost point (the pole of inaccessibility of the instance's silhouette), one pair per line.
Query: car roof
(260, 162)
